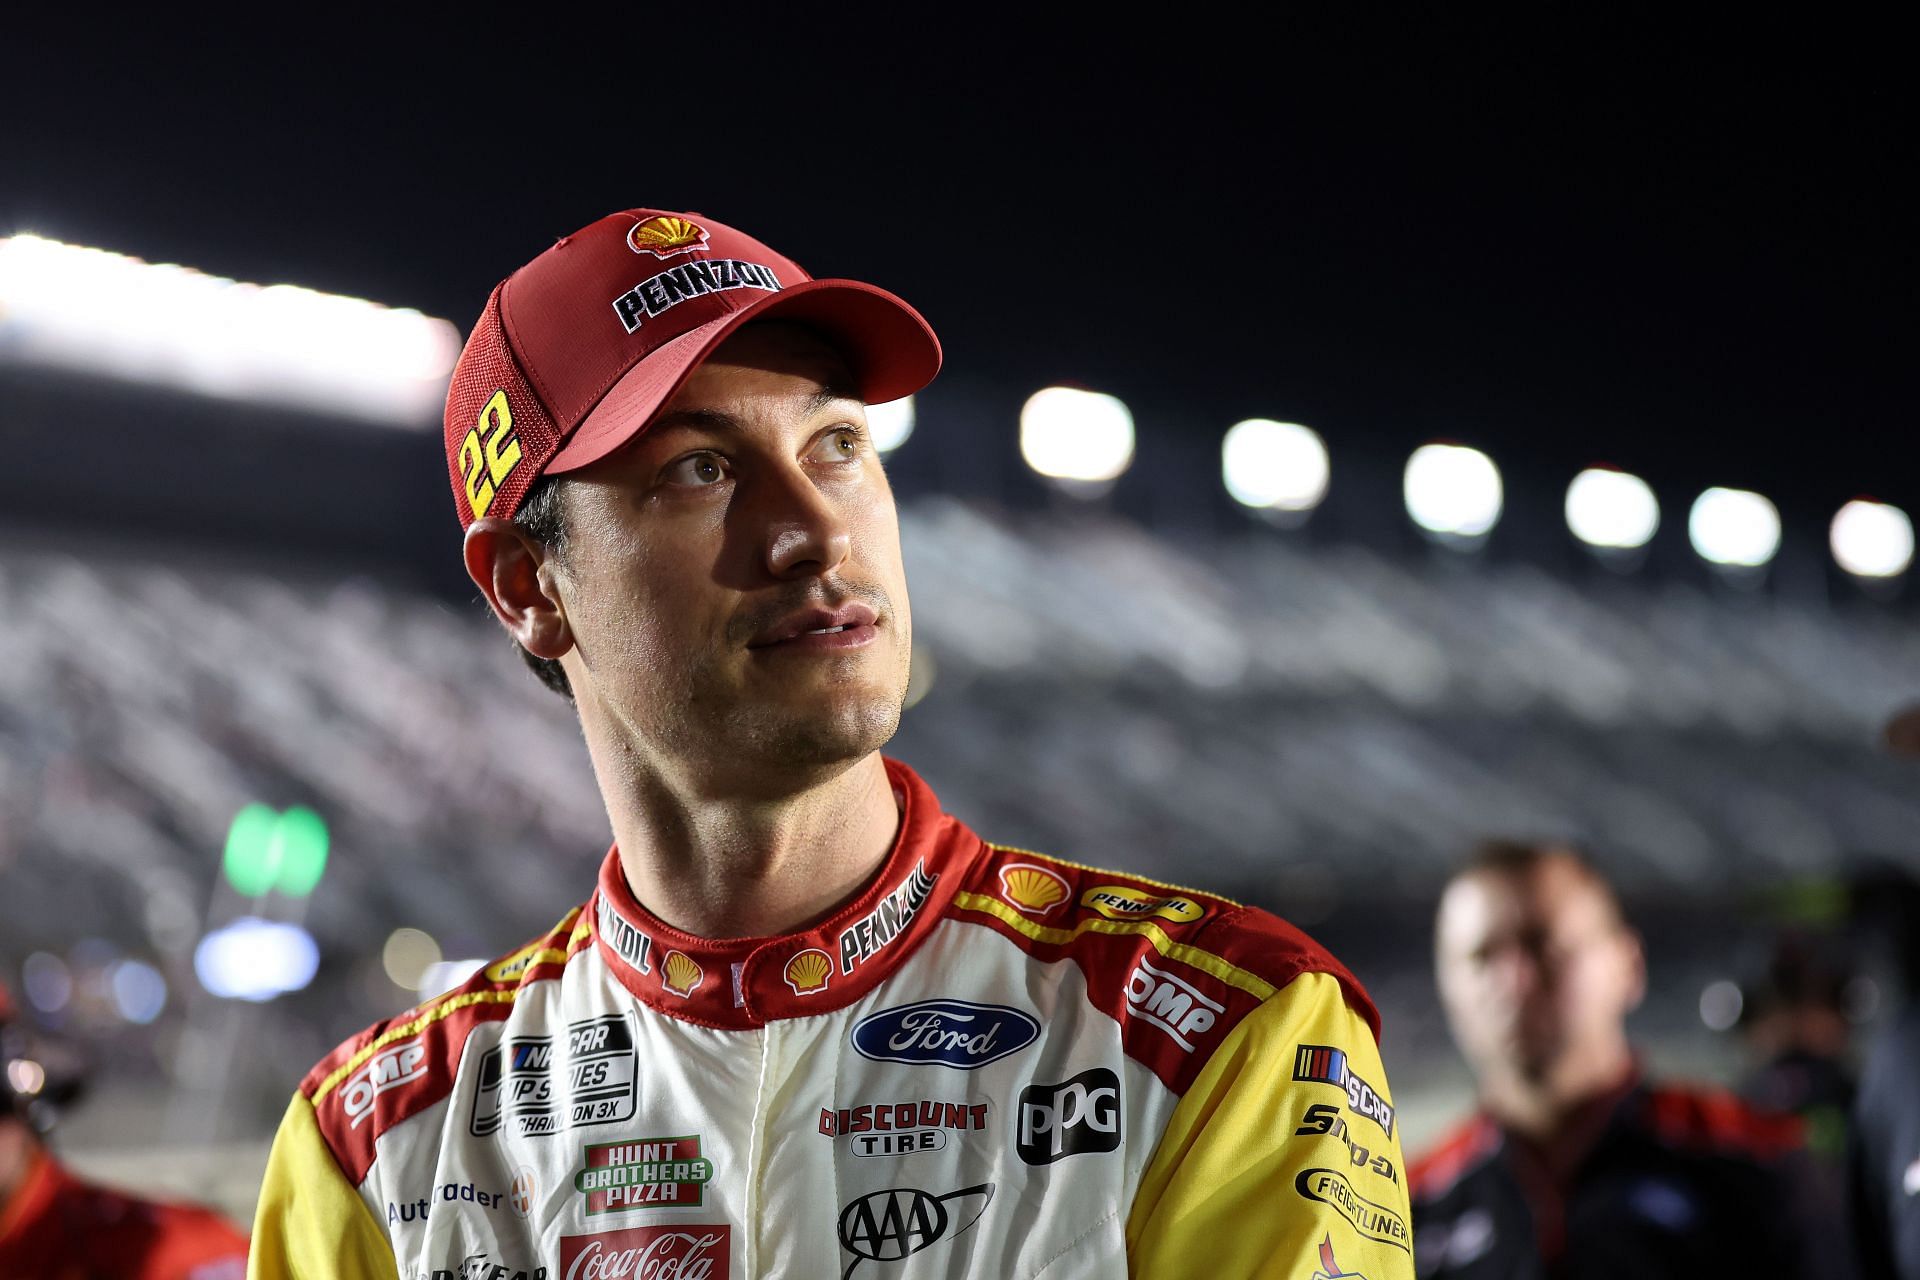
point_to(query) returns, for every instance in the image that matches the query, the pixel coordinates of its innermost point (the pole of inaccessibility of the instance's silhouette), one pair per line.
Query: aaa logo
(886, 1226)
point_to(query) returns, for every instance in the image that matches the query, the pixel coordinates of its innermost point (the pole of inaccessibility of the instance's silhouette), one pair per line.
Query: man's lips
(847, 624)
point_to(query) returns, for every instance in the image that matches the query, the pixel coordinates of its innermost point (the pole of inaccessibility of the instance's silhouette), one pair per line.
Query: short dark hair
(1503, 856)
(542, 516)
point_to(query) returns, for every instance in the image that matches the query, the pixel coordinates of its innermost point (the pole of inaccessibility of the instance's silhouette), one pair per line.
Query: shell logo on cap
(680, 974)
(663, 237)
(1035, 890)
(807, 972)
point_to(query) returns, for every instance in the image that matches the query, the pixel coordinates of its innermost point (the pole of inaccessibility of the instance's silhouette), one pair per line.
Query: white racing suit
(990, 1064)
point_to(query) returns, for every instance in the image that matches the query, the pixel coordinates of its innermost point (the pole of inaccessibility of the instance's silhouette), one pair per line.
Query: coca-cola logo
(681, 1252)
(953, 1033)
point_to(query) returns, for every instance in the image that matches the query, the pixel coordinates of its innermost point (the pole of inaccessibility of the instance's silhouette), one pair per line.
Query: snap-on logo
(953, 1033)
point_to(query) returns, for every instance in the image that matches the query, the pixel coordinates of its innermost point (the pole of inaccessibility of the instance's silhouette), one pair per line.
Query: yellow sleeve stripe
(1109, 871)
(1205, 961)
(452, 1004)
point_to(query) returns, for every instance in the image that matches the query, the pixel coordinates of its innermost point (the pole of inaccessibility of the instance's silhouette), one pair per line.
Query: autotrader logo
(887, 1226)
(1078, 1117)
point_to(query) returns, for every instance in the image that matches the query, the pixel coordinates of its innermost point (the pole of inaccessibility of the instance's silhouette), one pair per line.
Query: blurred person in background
(53, 1225)
(1575, 1165)
(1884, 1163)
(806, 1020)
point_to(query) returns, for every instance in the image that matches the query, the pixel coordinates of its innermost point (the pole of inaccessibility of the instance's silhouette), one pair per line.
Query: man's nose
(805, 531)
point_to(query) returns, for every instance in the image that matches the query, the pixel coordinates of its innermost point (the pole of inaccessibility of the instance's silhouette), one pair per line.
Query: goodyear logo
(1124, 902)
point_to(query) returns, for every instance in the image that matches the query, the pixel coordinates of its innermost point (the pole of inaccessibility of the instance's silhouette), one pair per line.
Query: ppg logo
(1077, 1118)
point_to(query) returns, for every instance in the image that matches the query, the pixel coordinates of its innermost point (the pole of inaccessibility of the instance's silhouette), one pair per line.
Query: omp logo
(1124, 902)
(678, 1252)
(887, 1226)
(388, 1070)
(1324, 1064)
(1172, 1004)
(1078, 1117)
(1374, 1221)
(953, 1033)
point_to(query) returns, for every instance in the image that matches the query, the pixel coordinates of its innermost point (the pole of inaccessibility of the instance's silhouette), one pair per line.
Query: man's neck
(1556, 1113)
(726, 867)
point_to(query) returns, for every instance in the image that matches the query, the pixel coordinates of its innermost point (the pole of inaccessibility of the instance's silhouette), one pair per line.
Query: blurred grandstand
(205, 611)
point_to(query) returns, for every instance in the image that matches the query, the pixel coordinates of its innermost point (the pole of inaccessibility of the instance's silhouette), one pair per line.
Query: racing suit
(57, 1227)
(990, 1064)
(1678, 1181)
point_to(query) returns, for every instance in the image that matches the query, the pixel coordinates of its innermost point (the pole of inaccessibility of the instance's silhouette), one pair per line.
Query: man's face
(1535, 969)
(733, 581)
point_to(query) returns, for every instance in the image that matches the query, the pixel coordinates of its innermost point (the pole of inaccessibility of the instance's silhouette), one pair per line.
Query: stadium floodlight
(1453, 491)
(107, 313)
(1734, 527)
(407, 956)
(1612, 509)
(1077, 436)
(139, 991)
(1275, 466)
(890, 424)
(1871, 539)
(254, 959)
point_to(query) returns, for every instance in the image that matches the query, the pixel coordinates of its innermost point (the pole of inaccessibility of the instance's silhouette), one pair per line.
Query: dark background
(1684, 250)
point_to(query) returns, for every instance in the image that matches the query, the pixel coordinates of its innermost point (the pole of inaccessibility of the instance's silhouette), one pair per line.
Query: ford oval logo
(953, 1033)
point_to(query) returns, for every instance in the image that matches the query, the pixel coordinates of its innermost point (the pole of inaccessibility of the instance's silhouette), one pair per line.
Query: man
(1884, 1160)
(54, 1226)
(807, 1025)
(1575, 1165)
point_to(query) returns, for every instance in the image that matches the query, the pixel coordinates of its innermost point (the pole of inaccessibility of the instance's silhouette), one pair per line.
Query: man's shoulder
(1176, 967)
(1051, 904)
(1707, 1119)
(400, 1066)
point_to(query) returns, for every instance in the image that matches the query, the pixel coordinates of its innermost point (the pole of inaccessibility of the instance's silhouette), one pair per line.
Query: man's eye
(840, 445)
(697, 470)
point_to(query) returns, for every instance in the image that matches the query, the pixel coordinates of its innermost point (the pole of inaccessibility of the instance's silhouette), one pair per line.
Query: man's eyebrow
(715, 420)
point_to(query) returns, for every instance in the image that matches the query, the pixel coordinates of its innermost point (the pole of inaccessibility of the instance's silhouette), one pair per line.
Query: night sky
(1686, 252)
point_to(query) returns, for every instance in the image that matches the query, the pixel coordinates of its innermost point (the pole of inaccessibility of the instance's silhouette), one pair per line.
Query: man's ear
(505, 564)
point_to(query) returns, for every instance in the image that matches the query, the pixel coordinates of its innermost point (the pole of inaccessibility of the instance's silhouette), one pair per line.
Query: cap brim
(892, 352)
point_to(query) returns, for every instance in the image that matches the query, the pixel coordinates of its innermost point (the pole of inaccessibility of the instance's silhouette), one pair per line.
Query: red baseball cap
(578, 350)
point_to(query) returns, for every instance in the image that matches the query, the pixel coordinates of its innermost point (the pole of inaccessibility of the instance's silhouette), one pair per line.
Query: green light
(251, 860)
(301, 839)
(268, 850)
